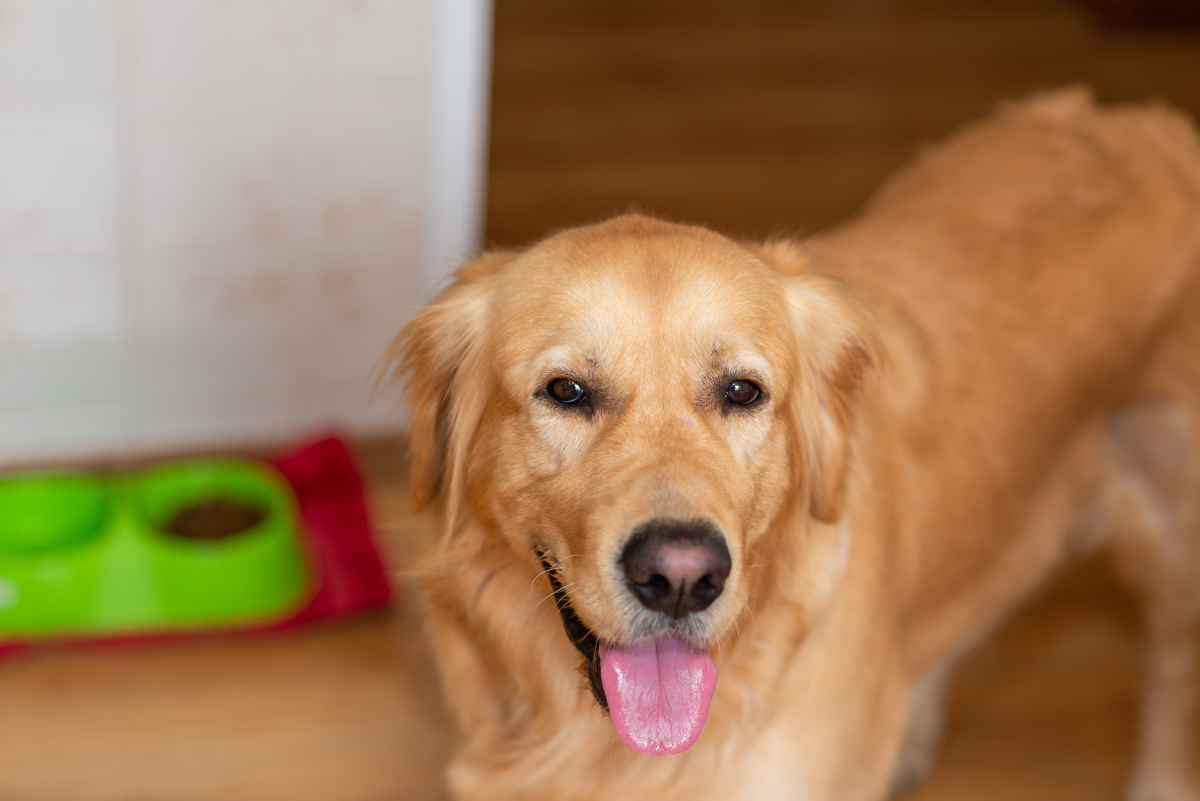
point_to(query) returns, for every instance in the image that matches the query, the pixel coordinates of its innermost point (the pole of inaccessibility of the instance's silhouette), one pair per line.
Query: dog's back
(1039, 278)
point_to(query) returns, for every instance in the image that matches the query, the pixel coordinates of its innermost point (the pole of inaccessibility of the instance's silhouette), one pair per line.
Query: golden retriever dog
(720, 517)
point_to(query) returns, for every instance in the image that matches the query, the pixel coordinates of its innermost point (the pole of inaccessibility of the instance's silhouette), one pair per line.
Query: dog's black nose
(676, 566)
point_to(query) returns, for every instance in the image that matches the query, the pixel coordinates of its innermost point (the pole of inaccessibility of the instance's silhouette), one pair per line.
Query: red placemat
(349, 571)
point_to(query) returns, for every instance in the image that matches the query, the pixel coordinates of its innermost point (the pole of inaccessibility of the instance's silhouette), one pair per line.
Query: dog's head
(632, 406)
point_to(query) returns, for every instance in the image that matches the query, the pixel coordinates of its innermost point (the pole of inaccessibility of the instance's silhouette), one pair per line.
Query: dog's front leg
(1153, 500)
(924, 729)
(1163, 770)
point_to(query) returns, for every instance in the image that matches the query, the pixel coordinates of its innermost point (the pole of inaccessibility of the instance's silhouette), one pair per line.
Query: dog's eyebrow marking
(736, 362)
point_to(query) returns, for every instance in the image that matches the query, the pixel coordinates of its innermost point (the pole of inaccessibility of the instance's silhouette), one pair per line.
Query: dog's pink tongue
(658, 692)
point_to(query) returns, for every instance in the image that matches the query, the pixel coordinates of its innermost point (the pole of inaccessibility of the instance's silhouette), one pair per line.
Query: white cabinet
(215, 215)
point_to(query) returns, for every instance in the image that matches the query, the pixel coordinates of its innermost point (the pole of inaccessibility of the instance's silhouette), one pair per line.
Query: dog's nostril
(659, 585)
(676, 566)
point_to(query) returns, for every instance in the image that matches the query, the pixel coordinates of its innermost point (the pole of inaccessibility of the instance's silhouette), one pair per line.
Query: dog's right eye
(565, 390)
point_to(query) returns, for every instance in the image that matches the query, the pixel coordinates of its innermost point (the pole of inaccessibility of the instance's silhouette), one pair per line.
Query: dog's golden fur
(996, 365)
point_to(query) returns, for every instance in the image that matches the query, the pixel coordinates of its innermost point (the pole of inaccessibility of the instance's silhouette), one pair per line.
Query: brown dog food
(215, 519)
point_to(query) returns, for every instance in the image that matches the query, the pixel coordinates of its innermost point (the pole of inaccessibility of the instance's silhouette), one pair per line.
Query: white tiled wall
(214, 214)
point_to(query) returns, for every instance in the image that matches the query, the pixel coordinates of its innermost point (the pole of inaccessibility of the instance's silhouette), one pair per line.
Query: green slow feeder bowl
(86, 554)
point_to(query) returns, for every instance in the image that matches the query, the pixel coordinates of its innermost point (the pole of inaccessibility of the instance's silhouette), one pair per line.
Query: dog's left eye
(565, 390)
(742, 392)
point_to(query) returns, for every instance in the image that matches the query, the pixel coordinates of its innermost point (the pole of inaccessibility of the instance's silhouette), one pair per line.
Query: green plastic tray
(85, 554)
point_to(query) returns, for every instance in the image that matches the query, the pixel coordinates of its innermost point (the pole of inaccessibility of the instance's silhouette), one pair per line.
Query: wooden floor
(755, 117)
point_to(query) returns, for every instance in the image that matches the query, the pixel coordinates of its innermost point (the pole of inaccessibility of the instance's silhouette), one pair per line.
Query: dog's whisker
(557, 564)
(551, 595)
(543, 600)
(536, 576)
(539, 603)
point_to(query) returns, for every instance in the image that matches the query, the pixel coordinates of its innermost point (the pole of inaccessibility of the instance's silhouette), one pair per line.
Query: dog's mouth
(657, 689)
(579, 634)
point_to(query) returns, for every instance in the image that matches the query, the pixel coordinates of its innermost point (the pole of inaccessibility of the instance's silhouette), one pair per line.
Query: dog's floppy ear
(837, 345)
(438, 353)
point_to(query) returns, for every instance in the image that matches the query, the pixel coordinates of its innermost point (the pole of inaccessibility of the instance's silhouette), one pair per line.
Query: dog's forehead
(661, 283)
